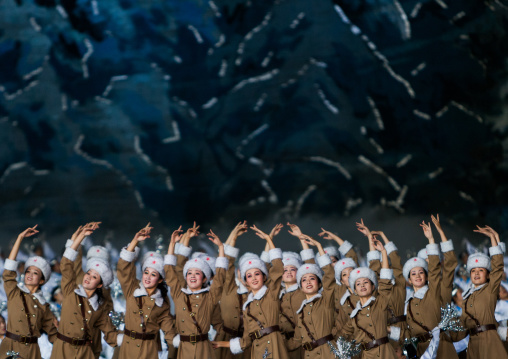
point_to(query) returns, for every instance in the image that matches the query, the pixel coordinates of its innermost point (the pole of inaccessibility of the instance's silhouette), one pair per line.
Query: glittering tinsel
(266, 354)
(56, 310)
(345, 349)
(117, 318)
(12, 354)
(450, 319)
(116, 289)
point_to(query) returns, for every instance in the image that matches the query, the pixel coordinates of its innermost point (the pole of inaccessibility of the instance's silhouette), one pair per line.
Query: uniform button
(89, 311)
(72, 322)
(257, 304)
(82, 329)
(183, 308)
(310, 305)
(22, 309)
(183, 320)
(368, 308)
(268, 342)
(471, 305)
(196, 305)
(35, 298)
(35, 306)
(146, 316)
(368, 315)
(151, 299)
(138, 347)
(416, 304)
(370, 325)
(417, 313)
(141, 325)
(79, 304)
(149, 308)
(197, 296)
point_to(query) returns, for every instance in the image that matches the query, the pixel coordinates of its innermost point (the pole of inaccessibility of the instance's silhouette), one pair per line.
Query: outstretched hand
(436, 222)
(309, 240)
(276, 230)
(427, 230)
(294, 230)
(214, 238)
(143, 233)
(30, 231)
(378, 245)
(176, 235)
(260, 233)
(363, 228)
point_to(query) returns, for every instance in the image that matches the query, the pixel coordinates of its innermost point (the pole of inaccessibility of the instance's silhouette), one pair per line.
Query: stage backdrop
(315, 111)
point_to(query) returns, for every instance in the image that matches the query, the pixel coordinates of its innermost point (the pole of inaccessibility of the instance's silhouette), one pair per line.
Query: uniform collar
(419, 294)
(289, 290)
(241, 288)
(157, 295)
(260, 294)
(359, 306)
(190, 292)
(310, 300)
(93, 300)
(344, 297)
(37, 295)
(471, 290)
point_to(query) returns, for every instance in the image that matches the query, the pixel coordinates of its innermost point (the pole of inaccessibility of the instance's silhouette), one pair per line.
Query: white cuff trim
(495, 250)
(432, 249)
(170, 260)
(176, 341)
(323, 260)
(446, 246)
(394, 333)
(119, 340)
(68, 243)
(70, 254)
(373, 255)
(221, 262)
(345, 247)
(275, 253)
(185, 251)
(235, 347)
(231, 251)
(390, 247)
(502, 333)
(265, 257)
(386, 274)
(11, 265)
(307, 254)
(127, 256)
(503, 246)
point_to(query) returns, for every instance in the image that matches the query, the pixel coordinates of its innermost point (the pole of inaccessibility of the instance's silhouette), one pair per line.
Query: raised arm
(307, 253)
(434, 275)
(221, 265)
(373, 256)
(276, 269)
(170, 263)
(30, 231)
(450, 262)
(496, 257)
(345, 247)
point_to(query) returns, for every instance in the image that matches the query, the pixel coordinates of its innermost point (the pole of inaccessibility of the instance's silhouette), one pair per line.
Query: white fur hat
(291, 259)
(151, 254)
(362, 272)
(332, 251)
(155, 262)
(98, 252)
(210, 260)
(478, 260)
(422, 253)
(413, 263)
(341, 265)
(200, 264)
(40, 263)
(306, 269)
(251, 263)
(245, 256)
(102, 268)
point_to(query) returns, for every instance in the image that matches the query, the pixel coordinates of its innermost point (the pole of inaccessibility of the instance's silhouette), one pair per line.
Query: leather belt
(289, 335)
(375, 343)
(233, 332)
(23, 339)
(136, 335)
(194, 338)
(74, 341)
(260, 333)
(395, 320)
(424, 338)
(310, 346)
(481, 328)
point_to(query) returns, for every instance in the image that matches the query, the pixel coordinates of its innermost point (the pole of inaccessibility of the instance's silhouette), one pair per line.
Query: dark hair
(163, 287)
(99, 293)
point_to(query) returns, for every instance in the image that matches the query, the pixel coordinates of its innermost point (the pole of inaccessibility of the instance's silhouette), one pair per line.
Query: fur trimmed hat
(422, 253)
(251, 263)
(291, 259)
(210, 260)
(98, 252)
(245, 256)
(155, 262)
(332, 251)
(362, 272)
(102, 268)
(308, 269)
(342, 264)
(413, 263)
(40, 263)
(151, 254)
(478, 260)
(200, 264)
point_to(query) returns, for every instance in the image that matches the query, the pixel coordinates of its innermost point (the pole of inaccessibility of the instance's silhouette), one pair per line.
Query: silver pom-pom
(117, 318)
(116, 289)
(345, 349)
(266, 354)
(450, 319)
(12, 354)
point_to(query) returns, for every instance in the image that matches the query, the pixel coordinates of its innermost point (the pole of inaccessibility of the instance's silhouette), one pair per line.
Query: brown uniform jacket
(450, 264)
(72, 321)
(202, 303)
(479, 303)
(154, 309)
(343, 306)
(41, 317)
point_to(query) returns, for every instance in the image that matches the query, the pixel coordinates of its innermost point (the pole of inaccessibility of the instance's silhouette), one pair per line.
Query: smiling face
(3, 328)
(195, 279)
(310, 284)
(289, 276)
(344, 276)
(364, 287)
(479, 276)
(151, 278)
(334, 260)
(92, 280)
(33, 277)
(255, 279)
(417, 277)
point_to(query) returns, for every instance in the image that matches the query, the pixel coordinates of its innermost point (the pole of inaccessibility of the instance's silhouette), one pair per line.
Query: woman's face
(344, 279)
(2, 326)
(334, 260)
(255, 279)
(289, 276)
(417, 277)
(479, 276)
(310, 284)
(195, 279)
(364, 287)
(33, 277)
(151, 278)
(92, 280)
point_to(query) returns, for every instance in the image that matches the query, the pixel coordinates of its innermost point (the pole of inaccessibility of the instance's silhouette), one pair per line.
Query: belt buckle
(133, 335)
(192, 314)
(193, 338)
(23, 339)
(75, 342)
(364, 347)
(308, 346)
(257, 334)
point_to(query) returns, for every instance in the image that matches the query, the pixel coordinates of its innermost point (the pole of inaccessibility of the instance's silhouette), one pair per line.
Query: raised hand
(363, 228)
(311, 241)
(436, 222)
(260, 233)
(378, 245)
(176, 235)
(489, 232)
(194, 230)
(143, 233)
(213, 237)
(381, 234)
(427, 231)
(295, 230)
(76, 234)
(30, 231)
(276, 230)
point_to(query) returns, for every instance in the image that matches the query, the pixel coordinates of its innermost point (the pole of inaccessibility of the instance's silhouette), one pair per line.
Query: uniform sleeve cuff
(275, 253)
(446, 246)
(11, 265)
(502, 333)
(184, 251)
(119, 340)
(170, 260)
(323, 260)
(390, 247)
(386, 274)
(231, 251)
(70, 254)
(222, 262)
(495, 250)
(176, 341)
(345, 247)
(68, 243)
(394, 333)
(307, 254)
(373, 255)
(432, 249)
(127, 256)
(235, 347)
(265, 257)
(503, 246)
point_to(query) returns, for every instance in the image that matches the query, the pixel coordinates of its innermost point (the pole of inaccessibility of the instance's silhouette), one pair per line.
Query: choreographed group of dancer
(278, 305)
